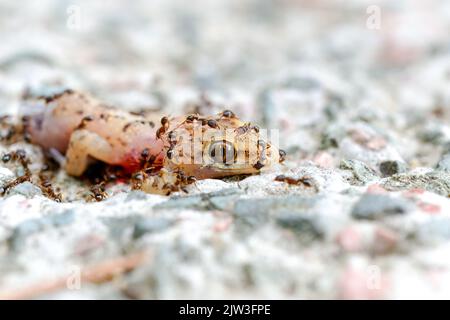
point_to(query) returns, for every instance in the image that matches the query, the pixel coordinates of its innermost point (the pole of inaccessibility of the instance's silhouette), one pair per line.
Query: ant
(305, 181)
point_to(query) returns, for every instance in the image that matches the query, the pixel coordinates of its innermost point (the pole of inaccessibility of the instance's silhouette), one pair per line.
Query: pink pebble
(376, 189)
(324, 160)
(349, 239)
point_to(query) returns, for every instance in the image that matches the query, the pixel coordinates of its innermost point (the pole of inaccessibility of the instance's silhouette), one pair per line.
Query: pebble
(206, 201)
(376, 206)
(61, 219)
(362, 142)
(117, 226)
(434, 181)
(389, 168)
(150, 225)
(253, 213)
(135, 195)
(350, 239)
(361, 171)
(385, 241)
(186, 202)
(246, 212)
(223, 203)
(331, 137)
(32, 226)
(300, 222)
(435, 133)
(444, 163)
(26, 189)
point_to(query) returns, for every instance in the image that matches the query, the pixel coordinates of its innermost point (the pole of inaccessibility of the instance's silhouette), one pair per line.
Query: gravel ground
(362, 109)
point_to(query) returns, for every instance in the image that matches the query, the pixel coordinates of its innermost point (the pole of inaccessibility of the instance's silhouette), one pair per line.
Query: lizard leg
(84, 145)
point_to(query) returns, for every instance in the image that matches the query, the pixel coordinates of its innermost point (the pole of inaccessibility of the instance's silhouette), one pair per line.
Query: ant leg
(84, 145)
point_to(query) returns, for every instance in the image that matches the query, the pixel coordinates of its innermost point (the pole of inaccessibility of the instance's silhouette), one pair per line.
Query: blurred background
(358, 89)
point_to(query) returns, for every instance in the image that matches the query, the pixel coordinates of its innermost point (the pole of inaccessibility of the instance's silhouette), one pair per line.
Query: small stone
(376, 189)
(362, 172)
(331, 137)
(324, 159)
(189, 202)
(389, 168)
(223, 203)
(385, 241)
(29, 226)
(375, 206)
(61, 219)
(299, 222)
(444, 164)
(32, 226)
(257, 211)
(429, 208)
(22, 231)
(434, 134)
(26, 189)
(246, 211)
(136, 195)
(350, 239)
(434, 181)
(119, 225)
(150, 225)
(6, 158)
(205, 201)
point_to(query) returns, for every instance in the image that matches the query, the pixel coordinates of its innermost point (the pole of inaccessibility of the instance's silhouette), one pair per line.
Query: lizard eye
(222, 152)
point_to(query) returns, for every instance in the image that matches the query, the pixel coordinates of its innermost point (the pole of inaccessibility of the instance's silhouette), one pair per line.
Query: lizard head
(217, 146)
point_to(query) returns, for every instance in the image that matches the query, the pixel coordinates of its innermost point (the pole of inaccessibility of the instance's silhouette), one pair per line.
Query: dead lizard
(167, 154)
